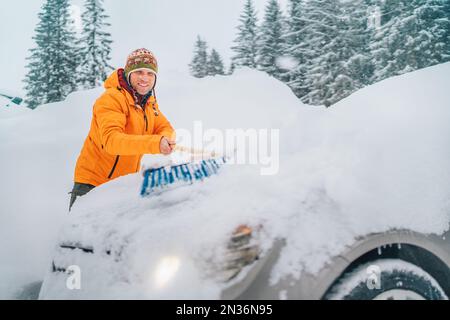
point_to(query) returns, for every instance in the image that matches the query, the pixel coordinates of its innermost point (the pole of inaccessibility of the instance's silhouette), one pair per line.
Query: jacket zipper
(145, 117)
(146, 122)
(113, 168)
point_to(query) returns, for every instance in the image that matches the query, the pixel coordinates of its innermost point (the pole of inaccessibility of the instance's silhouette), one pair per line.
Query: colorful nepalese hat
(140, 59)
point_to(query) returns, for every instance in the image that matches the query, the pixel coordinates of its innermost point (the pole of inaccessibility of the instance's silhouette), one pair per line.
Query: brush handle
(193, 151)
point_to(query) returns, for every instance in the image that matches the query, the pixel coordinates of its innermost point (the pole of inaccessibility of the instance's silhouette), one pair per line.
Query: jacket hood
(112, 81)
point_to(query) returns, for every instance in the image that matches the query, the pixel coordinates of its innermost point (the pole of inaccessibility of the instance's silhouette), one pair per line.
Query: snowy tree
(445, 34)
(39, 66)
(320, 47)
(199, 63)
(246, 48)
(94, 46)
(334, 47)
(413, 34)
(352, 68)
(330, 42)
(215, 64)
(231, 68)
(53, 62)
(295, 48)
(427, 25)
(271, 42)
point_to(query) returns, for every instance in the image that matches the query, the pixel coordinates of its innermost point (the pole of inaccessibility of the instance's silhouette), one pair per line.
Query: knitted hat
(140, 59)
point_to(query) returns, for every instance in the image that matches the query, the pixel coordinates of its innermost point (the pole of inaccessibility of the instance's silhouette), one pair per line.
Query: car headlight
(166, 270)
(242, 250)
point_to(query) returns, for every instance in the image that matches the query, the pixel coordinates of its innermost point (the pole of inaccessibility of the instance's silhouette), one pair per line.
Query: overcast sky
(167, 27)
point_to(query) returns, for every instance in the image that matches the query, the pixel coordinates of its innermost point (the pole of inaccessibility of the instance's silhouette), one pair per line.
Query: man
(126, 124)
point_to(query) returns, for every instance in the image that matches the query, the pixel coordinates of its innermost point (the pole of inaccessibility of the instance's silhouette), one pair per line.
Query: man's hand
(166, 145)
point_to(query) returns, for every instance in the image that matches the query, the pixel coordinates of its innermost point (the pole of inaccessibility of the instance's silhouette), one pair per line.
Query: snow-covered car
(358, 210)
(11, 105)
(394, 265)
(10, 99)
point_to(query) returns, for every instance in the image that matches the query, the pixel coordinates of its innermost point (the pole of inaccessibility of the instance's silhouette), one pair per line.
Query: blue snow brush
(168, 177)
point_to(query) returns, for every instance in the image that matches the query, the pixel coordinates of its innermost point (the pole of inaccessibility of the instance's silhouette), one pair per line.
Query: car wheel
(386, 279)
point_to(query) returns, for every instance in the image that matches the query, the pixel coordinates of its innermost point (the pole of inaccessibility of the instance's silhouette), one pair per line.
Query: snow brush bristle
(167, 177)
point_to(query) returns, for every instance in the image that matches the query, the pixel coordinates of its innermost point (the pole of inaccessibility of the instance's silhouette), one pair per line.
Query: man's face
(142, 81)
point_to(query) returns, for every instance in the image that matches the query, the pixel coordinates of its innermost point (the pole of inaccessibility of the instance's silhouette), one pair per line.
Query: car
(394, 265)
(358, 210)
(11, 99)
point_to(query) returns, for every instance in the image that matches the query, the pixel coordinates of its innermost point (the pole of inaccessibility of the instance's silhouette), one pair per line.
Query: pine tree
(445, 34)
(39, 66)
(425, 44)
(198, 65)
(334, 49)
(52, 66)
(295, 48)
(353, 68)
(339, 47)
(413, 34)
(246, 48)
(271, 45)
(320, 48)
(231, 68)
(94, 46)
(215, 64)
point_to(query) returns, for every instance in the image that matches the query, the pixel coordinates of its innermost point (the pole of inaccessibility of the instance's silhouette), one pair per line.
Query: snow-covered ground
(376, 160)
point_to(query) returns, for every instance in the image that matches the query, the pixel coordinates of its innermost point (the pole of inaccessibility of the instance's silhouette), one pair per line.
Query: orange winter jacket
(121, 133)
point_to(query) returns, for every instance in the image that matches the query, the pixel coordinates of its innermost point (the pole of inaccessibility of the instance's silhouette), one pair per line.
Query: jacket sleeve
(163, 126)
(111, 121)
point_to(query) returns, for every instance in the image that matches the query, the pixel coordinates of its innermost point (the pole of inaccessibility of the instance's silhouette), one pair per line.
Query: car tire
(386, 279)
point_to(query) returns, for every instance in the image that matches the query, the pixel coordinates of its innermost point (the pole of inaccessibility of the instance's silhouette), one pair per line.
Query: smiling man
(126, 124)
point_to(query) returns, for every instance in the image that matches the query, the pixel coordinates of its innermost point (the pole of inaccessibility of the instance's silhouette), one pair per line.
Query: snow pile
(38, 152)
(377, 160)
